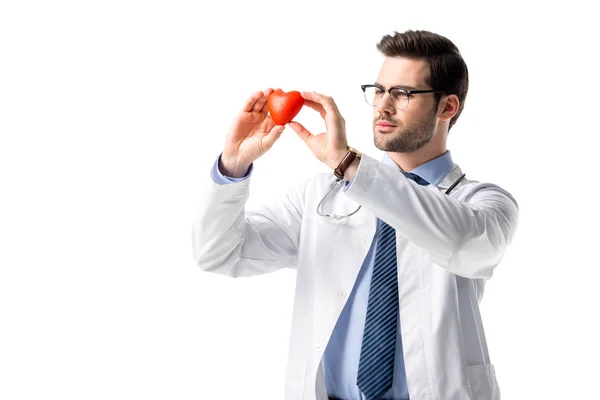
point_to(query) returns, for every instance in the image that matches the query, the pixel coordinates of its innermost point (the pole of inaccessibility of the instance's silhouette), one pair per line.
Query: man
(388, 286)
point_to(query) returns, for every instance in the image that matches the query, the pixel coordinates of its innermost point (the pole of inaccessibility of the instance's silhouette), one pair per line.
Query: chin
(381, 143)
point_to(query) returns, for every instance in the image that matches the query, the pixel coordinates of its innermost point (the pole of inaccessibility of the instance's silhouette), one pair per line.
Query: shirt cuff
(348, 184)
(221, 179)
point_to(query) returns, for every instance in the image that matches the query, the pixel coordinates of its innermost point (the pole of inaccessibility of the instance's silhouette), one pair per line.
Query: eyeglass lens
(374, 96)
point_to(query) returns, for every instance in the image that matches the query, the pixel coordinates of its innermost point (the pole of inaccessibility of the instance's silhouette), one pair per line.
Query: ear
(448, 107)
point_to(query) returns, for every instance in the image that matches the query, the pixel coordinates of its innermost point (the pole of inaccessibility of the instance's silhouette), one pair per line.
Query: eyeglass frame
(409, 93)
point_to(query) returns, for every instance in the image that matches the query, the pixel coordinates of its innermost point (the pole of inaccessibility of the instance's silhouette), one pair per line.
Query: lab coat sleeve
(229, 240)
(468, 238)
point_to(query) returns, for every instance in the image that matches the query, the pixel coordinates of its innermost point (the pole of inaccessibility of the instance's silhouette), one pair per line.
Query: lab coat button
(318, 348)
(341, 294)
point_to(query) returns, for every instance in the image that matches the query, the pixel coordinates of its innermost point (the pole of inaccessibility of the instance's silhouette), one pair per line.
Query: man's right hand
(252, 133)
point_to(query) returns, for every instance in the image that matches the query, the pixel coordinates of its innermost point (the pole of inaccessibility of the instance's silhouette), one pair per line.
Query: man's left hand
(330, 146)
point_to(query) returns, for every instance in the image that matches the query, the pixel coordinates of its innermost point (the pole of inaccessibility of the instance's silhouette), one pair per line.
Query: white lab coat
(447, 246)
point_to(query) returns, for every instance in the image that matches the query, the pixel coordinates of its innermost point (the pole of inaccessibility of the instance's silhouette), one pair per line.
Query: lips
(385, 124)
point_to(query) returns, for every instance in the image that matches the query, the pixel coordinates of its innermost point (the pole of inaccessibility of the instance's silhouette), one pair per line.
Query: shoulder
(470, 189)
(474, 191)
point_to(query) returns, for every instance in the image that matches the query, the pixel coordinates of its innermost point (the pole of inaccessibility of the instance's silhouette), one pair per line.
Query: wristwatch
(349, 157)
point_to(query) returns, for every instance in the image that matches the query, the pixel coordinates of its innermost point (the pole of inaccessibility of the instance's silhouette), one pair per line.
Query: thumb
(272, 136)
(301, 131)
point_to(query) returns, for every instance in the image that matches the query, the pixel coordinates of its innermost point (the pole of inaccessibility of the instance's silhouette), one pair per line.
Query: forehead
(400, 71)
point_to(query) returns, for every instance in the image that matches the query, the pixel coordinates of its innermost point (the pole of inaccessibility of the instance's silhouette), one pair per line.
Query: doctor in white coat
(450, 234)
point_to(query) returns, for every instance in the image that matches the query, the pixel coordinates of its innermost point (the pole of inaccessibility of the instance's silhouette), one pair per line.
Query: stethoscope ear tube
(337, 183)
(334, 216)
(455, 183)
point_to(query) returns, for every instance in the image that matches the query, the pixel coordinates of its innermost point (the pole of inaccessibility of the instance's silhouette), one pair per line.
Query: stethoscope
(337, 183)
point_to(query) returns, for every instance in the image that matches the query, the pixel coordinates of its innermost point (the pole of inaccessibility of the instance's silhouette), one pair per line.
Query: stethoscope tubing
(336, 183)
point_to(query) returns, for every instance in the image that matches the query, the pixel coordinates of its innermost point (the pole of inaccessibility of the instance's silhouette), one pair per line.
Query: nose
(386, 105)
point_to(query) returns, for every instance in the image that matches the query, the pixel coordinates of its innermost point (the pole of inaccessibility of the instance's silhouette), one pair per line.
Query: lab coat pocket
(482, 382)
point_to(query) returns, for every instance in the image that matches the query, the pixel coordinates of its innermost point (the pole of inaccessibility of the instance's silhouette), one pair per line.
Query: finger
(260, 103)
(301, 131)
(315, 106)
(267, 125)
(326, 101)
(252, 100)
(269, 139)
(267, 92)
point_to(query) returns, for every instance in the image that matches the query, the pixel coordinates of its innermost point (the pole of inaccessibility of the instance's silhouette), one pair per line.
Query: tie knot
(416, 178)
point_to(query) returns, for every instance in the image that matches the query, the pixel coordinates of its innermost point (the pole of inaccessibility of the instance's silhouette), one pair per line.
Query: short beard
(409, 138)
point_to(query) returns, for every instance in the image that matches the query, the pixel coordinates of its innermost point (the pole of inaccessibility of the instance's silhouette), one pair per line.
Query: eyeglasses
(400, 96)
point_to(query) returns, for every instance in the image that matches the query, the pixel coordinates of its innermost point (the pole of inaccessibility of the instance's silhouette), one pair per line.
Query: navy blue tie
(376, 364)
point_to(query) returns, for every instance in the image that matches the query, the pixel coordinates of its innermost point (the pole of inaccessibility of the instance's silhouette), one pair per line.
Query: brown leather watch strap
(349, 157)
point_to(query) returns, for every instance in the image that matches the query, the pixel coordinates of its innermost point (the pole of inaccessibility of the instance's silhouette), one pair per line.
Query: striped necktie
(376, 364)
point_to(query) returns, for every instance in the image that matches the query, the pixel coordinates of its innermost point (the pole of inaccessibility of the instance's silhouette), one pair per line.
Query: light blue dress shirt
(342, 354)
(221, 179)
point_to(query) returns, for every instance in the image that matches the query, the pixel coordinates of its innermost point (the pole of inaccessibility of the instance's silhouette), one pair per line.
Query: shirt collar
(433, 171)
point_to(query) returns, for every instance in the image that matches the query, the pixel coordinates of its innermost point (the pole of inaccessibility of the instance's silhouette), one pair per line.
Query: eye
(398, 94)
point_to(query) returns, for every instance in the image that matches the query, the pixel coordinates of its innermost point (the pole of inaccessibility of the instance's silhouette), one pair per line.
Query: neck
(409, 161)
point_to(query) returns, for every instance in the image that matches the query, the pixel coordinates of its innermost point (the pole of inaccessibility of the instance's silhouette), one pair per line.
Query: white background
(112, 112)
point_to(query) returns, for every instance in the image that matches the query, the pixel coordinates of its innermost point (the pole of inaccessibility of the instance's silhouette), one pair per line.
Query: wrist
(232, 167)
(351, 170)
(348, 164)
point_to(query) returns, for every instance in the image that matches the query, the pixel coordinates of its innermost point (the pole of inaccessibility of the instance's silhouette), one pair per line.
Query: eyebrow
(401, 86)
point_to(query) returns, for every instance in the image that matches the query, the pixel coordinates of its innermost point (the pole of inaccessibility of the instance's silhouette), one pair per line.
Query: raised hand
(251, 134)
(330, 146)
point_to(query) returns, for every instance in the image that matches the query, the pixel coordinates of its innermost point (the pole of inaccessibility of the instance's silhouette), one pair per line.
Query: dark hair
(447, 69)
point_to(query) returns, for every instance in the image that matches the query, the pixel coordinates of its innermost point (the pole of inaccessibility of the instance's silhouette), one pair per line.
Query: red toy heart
(283, 107)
